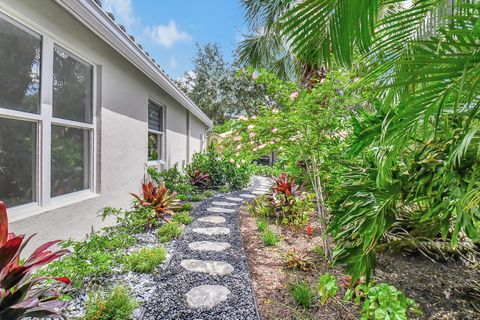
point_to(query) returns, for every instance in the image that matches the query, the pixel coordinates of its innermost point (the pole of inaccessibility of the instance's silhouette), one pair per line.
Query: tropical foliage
(20, 295)
(413, 145)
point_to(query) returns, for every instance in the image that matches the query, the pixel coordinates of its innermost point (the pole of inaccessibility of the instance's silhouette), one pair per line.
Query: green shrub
(302, 294)
(182, 217)
(188, 206)
(327, 287)
(382, 301)
(262, 224)
(169, 231)
(132, 221)
(196, 197)
(208, 193)
(269, 237)
(90, 259)
(174, 180)
(146, 260)
(118, 305)
(224, 189)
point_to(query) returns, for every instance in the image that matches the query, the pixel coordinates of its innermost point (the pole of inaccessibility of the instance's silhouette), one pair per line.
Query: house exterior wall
(121, 130)
(197, 133)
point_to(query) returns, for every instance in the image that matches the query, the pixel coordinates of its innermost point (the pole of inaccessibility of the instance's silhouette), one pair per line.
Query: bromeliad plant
(160, 199)
(20, 295)
(200, 179)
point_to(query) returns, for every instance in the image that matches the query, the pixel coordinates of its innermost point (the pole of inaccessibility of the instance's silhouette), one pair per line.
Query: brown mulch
(442, 290)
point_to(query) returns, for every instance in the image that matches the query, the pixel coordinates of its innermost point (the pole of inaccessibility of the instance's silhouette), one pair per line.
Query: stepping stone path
(212, 219)
(208, 276)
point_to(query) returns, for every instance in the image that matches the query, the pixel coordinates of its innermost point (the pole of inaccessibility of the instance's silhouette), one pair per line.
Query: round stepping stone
(214, 268)
(223, 203)
(249, 196)
(206, 296)
(259, 192)
(209, 246)
(212, 231)
(233, 199)
(212, 219)
(220, 210)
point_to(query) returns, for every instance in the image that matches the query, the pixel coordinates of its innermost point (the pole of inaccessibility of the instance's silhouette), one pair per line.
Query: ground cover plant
(116, 304)
(169, 231)
(146, 259)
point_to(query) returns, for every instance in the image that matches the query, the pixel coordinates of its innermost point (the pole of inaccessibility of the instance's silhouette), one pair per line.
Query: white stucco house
(83, 111)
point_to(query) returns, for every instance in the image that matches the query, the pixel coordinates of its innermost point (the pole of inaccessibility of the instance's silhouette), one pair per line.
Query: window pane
(19, 68)
(70, 160)
(154, 146)
(72, 87)
(155, 117)
(18, 140)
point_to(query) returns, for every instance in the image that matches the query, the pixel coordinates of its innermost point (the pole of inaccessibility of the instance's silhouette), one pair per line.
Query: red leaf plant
(200, 179)
(159, 199)
(20, 293)
(285, 186)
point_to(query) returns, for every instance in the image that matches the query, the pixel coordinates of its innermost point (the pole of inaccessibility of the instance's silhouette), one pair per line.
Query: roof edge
(99, 22)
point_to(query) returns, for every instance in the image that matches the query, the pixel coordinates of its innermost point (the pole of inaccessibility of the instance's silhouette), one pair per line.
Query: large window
(155, 132)
(46, 118)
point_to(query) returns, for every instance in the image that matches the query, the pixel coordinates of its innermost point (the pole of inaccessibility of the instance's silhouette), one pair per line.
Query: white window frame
(160, 134)
(45, 120)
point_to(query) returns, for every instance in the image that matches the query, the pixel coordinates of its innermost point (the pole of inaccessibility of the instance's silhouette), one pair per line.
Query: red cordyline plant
(159, 199)
(20, 296)
(285, 186)
(200, 179)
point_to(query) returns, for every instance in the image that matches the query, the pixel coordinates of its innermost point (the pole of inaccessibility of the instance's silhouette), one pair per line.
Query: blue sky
(170, 29)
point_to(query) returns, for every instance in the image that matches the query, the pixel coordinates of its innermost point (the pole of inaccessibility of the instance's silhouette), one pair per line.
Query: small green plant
(327, 287)
(318, 250)
(382, 301)
(208, 193)
(187, 206)
(262, 224)
(169, 231)
(146, 260)
(196, 197)
(182, 217)
(302, 294)
(117, 305)
(224, 189)
(269, 237)
(298, 261)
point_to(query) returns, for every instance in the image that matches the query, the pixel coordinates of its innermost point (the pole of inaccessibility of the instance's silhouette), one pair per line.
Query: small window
(72, 87)
(19, 68)
(155, 132)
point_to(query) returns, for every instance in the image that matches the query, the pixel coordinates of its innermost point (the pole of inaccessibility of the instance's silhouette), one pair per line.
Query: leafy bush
(224, 189)
(298, 261)
(146, 260)
(208, 193)
(158, 198)
(132, 221)
(269, 237)
(169, 231)
(302, 294)
(118, 305)
(220, 171)
(262, 224)
(382, 301)
(19, 296)
(174, 180)
(327, 287)
(196, 197)
(182, 217)
(92, 258)
(187, 206)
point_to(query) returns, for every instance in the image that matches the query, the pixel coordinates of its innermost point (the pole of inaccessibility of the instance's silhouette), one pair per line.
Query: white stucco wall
(197, 129)
(122, 128)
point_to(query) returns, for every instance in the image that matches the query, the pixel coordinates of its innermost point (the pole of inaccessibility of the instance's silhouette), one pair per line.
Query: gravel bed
(169, 300)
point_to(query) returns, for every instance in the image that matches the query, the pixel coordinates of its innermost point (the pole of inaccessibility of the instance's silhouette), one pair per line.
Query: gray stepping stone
(220, 210)
(214, 268)
(248, 196)
(206, 296)
(212, 231)
(209, 246)
(225, 204)
(234, 199)
(259, 192)
(212, 219)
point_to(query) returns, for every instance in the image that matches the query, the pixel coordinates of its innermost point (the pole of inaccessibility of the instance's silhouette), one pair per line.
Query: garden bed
(440, 289)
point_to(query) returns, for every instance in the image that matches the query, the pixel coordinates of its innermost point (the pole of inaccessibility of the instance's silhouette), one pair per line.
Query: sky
(170, 29)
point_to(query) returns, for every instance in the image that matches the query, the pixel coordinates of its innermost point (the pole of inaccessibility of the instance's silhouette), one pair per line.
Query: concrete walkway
(208, 276)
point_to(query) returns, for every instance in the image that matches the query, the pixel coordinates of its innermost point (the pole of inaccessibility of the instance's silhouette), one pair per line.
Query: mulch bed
(441, 289)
